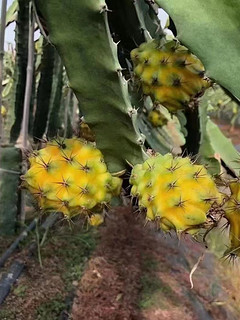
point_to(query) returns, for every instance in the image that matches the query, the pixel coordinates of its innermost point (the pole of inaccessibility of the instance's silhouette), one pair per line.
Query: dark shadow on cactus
(193, 128)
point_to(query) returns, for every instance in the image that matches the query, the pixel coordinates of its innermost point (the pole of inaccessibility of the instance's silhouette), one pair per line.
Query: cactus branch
(94, 75)
(28, 88)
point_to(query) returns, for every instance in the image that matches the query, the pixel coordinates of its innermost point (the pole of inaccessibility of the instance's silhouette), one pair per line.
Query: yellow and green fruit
(85, 132)
(157, 118)
(174, 191)
(70, 176)
(232, 213)
(169, 73)
(3, 111)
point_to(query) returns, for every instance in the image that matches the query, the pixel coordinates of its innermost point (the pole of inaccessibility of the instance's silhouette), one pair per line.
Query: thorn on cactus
(180, 203)
(173, 167)
(164, 61)
(177, 82)
(172, 185)
(132, 112)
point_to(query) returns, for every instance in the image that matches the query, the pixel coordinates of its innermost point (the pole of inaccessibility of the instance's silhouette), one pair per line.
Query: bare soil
(137, 273)
(134, 273)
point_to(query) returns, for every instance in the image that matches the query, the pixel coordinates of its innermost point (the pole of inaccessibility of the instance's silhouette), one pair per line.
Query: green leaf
(223, 147)
(12, 13)
(214, 145)
(210, 29)
(10, 160)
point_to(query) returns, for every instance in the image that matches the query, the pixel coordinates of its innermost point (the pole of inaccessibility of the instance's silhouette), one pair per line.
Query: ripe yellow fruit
(70, 176)
(169, 73)
(174, 192)
(95, 219)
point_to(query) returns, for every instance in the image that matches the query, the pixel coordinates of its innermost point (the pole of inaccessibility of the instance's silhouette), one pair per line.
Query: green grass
(7, 315)
(74, 248)
(52, 309)
(74, 254)
(154, 292)
(20, 290)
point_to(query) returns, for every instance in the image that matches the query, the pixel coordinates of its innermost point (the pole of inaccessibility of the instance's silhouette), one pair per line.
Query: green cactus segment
(21, 66)
(94, 75)
(148, 18)
(232, 214)
(12, 12)
(162, 139)
(44, 91)
(214, 146)
(124, 22)
(54, 122)
(9, 189)
(210, 29)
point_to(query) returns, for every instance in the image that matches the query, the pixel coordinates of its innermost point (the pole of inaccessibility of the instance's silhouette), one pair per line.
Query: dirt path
(134, 273)
(110, 287)
(137, 274)
(46, 293)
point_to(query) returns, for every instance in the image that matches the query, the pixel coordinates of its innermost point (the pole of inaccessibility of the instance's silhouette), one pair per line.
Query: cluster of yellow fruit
(175, 192)
(70, 176)
(169, 73)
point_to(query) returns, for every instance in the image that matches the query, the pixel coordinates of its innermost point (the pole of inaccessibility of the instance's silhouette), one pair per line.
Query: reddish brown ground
(136, 273)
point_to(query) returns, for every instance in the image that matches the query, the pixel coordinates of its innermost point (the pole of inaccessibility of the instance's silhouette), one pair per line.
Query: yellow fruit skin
(3, 111)
(232, 213)
(157, 118)
(175, 192)
(71, 177)
(95, 220)
(169, 73)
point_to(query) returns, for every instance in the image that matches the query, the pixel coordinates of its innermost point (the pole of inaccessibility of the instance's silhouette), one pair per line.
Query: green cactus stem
(44, 91)
(80, 32)
(22, 27)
